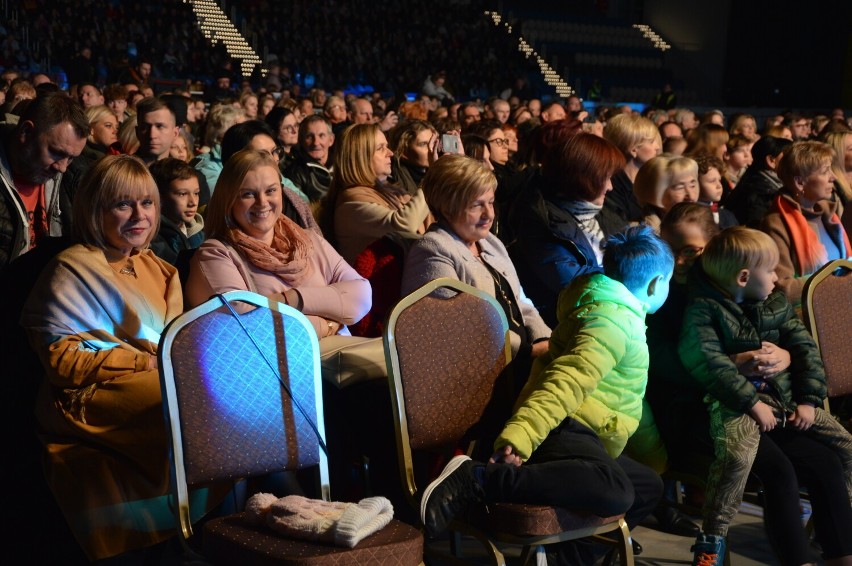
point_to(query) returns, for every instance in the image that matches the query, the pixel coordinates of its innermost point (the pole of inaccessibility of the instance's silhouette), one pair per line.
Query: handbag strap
(276, 373)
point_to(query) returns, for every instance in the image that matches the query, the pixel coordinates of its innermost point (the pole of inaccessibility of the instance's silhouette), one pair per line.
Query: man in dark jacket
(33, 156)
(310, 169)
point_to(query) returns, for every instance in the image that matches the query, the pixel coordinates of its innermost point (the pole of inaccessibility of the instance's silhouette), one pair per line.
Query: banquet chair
(445, 357)
(827, 310)
(241, 387)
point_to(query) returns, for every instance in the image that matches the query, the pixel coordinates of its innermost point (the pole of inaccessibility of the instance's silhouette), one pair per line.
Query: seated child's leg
(828, 431)
(735, 439)
(647, 487)
(569, 469)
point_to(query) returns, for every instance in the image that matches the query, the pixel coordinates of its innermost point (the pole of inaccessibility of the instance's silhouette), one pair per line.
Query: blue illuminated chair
(242, 397)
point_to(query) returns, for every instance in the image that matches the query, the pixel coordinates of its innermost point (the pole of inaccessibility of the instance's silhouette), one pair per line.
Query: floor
(747, 543)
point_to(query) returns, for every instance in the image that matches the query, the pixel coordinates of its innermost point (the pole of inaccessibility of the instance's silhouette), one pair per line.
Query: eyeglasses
(689, 252)
(290, 129)
(336, 106)
(500, 142)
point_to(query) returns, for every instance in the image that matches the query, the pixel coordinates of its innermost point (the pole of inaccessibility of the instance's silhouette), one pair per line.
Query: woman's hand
(763, 416)
(803, 417)
(506, 455)
(152, 362)
(764, 363)
(332, 327)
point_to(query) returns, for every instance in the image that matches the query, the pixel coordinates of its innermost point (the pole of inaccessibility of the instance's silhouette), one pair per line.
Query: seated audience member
(249, 104)
(552, 111)
(669, 130)
(34, 155)
(460, 245)
(638, 139)
(685, 118)
(181, 227)
(735, 307)
(156, 128)
(89, 95)
(804, 218)
(841, 166)
(759, 184)
(182, 147)
(286, 128)
(663, 182)
(710, 170)
(737, 158)
(559, 447)
(711, 139)
(255, 134)
(95, 318)
(115, 97)
(744, 125)
(127, 136)
(209, 163)
(779, 131)
(413, 143)
(310, 168)
(674, 146)
(560, 222)
(477, 147)
(252, 246)
(362, 205)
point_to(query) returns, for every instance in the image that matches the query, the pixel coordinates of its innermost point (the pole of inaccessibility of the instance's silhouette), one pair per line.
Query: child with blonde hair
(735, 310)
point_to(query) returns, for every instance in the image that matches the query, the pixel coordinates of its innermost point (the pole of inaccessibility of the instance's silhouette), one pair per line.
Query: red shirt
(33, 198)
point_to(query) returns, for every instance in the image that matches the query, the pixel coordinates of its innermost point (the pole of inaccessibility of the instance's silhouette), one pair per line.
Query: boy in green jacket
(563, 444)
(733, 312)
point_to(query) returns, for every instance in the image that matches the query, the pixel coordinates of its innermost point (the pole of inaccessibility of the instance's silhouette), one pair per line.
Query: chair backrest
(444, 356)
(227, 413)
(827, 310)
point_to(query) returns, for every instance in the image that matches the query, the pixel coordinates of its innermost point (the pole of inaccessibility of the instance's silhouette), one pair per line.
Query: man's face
(317, 141)
(573, 103)
(362, 112)
(470, 114)
(144, 70)
(156, 132)
(801, 129)
(501, 111)
(336, 110)
(553, 113)
(90, 96)
(45, 154)
(534, 107)
(223, 83)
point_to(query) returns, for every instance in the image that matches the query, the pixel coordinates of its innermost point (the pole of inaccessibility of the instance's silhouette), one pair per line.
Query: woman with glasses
(504, 170)
(285, 126)
(361, 205)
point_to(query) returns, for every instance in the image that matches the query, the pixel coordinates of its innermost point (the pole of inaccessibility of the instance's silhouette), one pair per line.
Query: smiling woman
(253, 246)
(95, 318)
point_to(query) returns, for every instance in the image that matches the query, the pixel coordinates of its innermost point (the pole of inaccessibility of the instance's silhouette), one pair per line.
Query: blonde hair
(95, 114)
(217, 217)
(735, 249)
(453, 182)
(220, 119)
(127, 135)
(800, 160)
(111, 179)
(656, 176)
(627, 131)
(836, 140)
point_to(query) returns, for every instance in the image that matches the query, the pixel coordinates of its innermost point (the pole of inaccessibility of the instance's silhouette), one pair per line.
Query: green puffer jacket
(714, 327)
(595, 370)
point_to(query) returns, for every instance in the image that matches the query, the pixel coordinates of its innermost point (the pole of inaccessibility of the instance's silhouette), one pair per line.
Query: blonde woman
(639, 141)
(361, 205)
(664, 182)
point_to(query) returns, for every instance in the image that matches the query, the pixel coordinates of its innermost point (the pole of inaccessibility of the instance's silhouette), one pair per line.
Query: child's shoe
(450, 494)
(709, 550)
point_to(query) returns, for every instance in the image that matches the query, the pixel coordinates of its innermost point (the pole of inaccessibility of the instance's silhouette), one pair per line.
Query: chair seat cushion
(233, 540)
(523, 520)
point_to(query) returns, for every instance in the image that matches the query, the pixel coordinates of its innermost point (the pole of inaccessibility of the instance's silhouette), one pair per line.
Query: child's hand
(803, 417)
(506, 455)
(763, 415)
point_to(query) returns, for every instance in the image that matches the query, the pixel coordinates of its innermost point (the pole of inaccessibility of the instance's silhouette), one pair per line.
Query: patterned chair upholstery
(827, 310)
(446, 346)
(229, 417)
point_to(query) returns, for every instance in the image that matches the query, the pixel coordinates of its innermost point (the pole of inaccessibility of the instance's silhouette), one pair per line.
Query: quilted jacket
(715, 327)
(595, 371)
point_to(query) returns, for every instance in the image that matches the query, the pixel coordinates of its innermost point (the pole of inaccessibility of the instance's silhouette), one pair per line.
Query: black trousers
(572, 469)
(786, 459)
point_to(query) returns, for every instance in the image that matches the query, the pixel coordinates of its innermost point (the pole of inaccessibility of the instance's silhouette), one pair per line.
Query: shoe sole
(451, 467)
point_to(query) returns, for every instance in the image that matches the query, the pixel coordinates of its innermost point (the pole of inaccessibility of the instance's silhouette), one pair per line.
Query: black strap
(277, 374)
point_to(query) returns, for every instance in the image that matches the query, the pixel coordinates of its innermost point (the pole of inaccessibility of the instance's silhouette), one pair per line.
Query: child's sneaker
(450, 494)
(709, 550)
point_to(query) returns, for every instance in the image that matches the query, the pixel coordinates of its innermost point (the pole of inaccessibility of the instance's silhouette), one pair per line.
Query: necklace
(127, 269)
